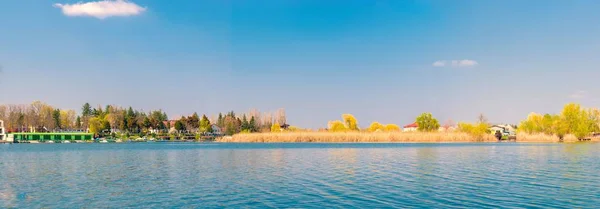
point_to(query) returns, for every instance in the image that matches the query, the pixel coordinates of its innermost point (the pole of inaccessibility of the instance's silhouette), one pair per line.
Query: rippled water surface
(150, 175)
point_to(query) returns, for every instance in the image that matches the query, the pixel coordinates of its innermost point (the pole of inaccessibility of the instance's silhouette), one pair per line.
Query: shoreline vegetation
(393, 137)
(572, 124)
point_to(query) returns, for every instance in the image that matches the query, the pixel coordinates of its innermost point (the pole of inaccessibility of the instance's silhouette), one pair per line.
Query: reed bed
(356, 137)
(541, 137)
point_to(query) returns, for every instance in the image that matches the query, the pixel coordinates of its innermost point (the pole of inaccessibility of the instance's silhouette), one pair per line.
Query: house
(2, 133)
(216, 129)
(169, 123)
(503, 128)
(410, 127)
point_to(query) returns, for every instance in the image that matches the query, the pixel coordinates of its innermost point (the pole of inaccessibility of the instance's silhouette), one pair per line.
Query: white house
(502, 128)
(410, 127)
(2, 132)
(216, 129)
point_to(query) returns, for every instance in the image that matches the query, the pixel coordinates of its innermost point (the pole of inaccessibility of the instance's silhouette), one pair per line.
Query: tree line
(41, 117)
(573, 119)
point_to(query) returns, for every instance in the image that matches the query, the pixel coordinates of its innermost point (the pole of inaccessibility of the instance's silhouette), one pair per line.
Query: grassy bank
(356, 137)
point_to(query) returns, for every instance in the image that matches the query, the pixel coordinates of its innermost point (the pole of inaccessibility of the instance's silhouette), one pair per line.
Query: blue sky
(316, 59)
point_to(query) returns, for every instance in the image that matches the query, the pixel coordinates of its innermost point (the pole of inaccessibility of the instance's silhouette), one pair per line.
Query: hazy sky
(383, 61)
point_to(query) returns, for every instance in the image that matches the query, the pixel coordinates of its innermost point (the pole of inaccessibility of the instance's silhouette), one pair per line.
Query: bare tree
(256, 114)
(449, 123)
(482, 119)
(280, 116)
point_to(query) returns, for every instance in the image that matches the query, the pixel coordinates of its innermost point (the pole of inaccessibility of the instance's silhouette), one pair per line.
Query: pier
(42, 137)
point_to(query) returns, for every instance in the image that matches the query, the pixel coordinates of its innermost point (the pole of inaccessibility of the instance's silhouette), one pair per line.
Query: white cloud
(101, 9)
(455, 63)
(439, 63)
(578, 95)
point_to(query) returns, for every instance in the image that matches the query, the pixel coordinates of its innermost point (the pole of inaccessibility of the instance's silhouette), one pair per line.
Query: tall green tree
(86, 110)
(179, 126)
(220, 120)
(193, 122)
(252, 125)
(147, 123)
(245, 124)
(427, 122)
(205, 125)
(56, 118)
(78, 122)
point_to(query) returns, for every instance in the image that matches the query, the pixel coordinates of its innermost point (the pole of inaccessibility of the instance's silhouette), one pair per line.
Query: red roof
(412, 125)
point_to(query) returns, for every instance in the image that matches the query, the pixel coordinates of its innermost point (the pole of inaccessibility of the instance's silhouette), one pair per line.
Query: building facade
(2, 131)
(410, 127)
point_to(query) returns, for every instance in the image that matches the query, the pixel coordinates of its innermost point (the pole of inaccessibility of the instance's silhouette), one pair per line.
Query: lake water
(159, 175)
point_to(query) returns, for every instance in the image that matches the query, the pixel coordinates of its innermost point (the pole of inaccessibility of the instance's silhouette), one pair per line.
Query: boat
(66, 142)
(103, 141)
(50, 142)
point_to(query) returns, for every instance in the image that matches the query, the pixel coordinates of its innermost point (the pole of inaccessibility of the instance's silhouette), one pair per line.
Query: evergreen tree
(56, 118)
(86, 110)
(179, 126)
(147, 123)
(164, 117)
(220, 120)
(78, 122)
(193, 122)
(252, 125)
(244, 124)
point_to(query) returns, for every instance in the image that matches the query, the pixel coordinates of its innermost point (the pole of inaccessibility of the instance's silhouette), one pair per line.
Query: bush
(478, 130)
(375, 126)
(337, 126)
(392, 127)
(275, 127)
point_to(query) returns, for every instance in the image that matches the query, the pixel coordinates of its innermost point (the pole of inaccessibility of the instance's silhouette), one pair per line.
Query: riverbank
(356, 137)
(402, 137)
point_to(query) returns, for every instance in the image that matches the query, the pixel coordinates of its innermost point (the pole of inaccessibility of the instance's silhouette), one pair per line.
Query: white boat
(66, 142)
(50, 142)
(103, 141)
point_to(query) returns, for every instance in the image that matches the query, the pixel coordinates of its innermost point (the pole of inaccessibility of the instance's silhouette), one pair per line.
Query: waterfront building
(2, 131)
(410, 127)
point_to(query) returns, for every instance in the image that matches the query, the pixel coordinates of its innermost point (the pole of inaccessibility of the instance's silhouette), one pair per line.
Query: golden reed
(356, 137)
(366, 137)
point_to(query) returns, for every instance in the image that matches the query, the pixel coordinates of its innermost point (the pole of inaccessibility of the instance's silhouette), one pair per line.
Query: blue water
(166, 175)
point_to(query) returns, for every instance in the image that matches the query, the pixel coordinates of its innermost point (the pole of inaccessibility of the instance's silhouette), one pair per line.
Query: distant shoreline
(385, 137)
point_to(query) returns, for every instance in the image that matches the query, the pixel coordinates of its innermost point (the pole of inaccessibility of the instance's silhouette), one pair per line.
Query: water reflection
(343, 160)
(301, 176)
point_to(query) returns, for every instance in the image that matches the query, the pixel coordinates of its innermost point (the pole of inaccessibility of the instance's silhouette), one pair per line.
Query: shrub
(478, 130)
(392, 127)
(337, 126)
(375, 126)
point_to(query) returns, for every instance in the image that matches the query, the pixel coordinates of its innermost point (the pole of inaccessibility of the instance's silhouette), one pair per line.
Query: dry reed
(541, 137)
(357, 137)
